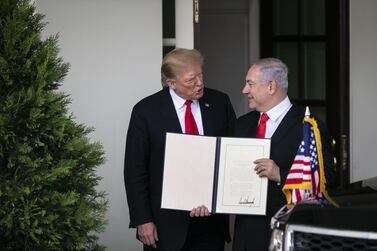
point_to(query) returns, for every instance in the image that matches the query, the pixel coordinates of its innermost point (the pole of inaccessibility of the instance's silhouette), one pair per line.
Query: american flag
(306, 179)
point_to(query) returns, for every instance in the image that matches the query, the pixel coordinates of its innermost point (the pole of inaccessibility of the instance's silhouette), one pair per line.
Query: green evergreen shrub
(48, 196)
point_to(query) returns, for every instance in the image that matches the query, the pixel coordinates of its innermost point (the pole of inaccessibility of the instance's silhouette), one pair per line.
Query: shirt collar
(279, 109)
(178, 101)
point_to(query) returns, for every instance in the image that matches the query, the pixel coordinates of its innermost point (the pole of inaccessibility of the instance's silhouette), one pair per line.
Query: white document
(240, 189)
(215, 172)
(188, 171)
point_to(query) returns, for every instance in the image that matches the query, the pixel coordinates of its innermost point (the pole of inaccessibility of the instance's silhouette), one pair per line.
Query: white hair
(273, 69)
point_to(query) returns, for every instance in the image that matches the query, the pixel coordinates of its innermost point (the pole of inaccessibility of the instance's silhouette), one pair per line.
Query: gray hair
(177, 60)
(273, 69)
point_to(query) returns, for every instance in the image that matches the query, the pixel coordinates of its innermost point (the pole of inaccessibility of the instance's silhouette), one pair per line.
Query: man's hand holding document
(216, 172)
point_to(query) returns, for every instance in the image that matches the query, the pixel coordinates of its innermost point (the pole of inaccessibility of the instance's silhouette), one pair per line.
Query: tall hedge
(48, 196)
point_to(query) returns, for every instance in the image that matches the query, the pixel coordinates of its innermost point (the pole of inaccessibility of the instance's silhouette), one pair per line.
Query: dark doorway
(311, 36)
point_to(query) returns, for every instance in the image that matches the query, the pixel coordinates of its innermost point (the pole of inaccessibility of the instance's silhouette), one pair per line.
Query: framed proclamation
(217, 172)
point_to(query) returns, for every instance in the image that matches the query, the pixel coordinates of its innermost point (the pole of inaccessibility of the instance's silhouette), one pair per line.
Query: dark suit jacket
(151, 118)
(252, 232)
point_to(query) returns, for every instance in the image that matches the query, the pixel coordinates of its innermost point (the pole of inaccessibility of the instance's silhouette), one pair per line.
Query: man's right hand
(148, 234)
(200, 211)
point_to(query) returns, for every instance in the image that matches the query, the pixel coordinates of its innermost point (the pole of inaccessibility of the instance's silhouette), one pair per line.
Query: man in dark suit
(266, 88)
(152, 117)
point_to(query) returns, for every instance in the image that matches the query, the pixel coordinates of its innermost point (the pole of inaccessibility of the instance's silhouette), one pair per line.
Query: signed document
(217, 172)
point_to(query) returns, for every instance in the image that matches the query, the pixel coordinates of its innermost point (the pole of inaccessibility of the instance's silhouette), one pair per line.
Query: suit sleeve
(136, 170)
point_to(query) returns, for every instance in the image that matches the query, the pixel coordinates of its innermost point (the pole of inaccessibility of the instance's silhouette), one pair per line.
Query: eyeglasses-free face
(189, 83)
(258, 94)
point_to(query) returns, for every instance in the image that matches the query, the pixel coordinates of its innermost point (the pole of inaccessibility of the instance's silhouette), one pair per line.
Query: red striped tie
(261, 129)
(190, 125)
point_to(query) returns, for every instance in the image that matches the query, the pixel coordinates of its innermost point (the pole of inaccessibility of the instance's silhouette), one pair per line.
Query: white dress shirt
(276, 115)
(180, 107)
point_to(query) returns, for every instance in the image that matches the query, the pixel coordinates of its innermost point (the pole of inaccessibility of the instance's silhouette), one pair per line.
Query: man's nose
(245, 90)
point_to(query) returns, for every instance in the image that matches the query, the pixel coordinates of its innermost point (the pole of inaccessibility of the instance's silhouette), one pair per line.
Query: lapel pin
(206, 104)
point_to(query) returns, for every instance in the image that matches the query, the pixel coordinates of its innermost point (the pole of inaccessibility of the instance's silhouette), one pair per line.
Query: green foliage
(48, 196)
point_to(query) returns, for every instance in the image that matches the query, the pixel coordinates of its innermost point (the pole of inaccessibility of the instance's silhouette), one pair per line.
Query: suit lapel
(253, 124)
(290, 120)
(169, 115)
(207, 115)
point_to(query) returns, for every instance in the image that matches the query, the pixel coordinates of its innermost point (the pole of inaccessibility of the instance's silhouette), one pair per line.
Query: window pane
(168, 19)
(315, 70)
(167, 49)
(285, 12)
(288, 53)
(314, 17)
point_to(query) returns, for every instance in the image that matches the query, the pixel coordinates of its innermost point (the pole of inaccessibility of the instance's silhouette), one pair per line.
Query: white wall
(115, 50)
(184, 27)
(363, 89)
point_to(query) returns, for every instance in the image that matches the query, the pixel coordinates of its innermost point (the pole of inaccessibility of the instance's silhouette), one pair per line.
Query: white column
(184, 24)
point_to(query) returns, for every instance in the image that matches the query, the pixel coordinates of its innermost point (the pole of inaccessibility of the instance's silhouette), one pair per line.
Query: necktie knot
(188, 103)
(264, 118)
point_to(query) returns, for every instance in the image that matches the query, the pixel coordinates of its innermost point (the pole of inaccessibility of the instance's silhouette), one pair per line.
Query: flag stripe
(296, 181)
(306, 177)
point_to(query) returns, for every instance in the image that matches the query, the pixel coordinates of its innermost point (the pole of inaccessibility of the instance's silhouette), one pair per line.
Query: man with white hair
(274, 117)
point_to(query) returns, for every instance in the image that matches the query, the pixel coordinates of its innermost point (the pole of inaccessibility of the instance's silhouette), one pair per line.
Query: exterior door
(311, 36)
(221, 33)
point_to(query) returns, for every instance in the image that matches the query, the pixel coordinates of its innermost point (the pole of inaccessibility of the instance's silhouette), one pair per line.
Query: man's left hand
(267, 168)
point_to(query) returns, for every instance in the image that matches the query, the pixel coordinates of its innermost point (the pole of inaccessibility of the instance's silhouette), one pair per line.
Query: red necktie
(261, 129)
(190, 125)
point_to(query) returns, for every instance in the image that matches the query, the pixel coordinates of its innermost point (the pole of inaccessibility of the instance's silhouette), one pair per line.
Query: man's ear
(272, 87)
(171, 83)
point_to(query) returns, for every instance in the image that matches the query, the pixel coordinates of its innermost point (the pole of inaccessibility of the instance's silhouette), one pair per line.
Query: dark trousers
(251, 233)
(199, 238)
